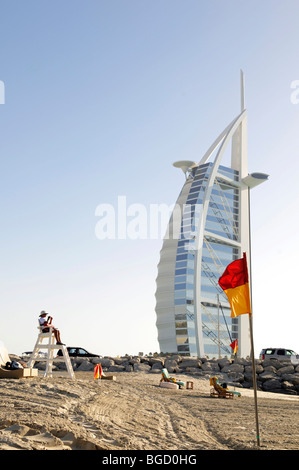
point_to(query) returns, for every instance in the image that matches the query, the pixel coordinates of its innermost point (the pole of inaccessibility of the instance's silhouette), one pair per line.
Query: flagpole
(218, 326)
(251, 332)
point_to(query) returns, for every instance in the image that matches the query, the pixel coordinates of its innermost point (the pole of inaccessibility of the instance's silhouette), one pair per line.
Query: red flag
(98, 371)
(234, 282)
(234, 346)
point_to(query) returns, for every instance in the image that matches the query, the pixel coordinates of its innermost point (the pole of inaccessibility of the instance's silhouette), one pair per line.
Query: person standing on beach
(45, 324)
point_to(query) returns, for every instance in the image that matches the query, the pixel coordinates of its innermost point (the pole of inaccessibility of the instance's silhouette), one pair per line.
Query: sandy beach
(134, 413)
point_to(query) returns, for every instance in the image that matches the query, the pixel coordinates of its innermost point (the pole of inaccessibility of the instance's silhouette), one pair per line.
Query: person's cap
(43, 313)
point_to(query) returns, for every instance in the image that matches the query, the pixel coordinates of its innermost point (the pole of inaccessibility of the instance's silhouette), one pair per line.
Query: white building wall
(239, 161)
(165, 308)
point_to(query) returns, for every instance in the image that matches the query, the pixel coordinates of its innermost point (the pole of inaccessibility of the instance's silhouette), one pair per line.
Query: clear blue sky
(101, 97)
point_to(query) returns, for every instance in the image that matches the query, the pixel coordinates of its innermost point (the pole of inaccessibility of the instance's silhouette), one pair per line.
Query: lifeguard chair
(50, 346)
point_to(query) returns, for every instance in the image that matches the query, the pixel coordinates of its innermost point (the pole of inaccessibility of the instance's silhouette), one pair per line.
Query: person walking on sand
(45, 325)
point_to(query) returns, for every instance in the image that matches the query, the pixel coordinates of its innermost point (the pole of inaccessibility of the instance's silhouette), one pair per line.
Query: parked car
(77, 352)
(278, 353)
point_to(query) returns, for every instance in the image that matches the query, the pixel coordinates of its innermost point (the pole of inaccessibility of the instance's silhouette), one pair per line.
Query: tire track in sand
(143, 416)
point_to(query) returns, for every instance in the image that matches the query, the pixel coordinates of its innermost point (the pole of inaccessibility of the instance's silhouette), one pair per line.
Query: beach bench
(167, 378)
(218, 391)
(6, 373)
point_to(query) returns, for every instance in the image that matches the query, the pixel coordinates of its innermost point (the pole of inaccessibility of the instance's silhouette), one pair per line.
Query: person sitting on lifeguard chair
(45, 325)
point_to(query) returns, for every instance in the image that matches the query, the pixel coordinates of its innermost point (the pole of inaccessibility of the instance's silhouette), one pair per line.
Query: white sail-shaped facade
(208, 229)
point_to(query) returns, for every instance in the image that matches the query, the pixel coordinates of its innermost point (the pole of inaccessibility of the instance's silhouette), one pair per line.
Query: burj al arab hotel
(208, 229)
